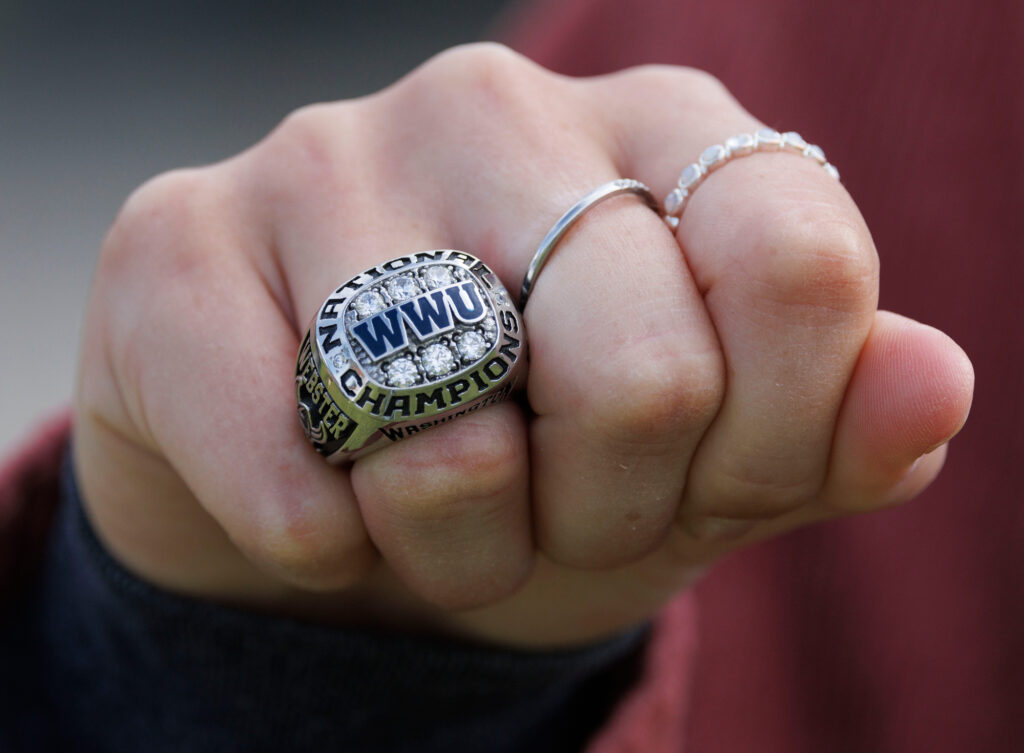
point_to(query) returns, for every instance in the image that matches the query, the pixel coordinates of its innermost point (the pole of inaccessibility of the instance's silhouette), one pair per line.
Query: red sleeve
(29, 489)
(896, 631)
(652, 719)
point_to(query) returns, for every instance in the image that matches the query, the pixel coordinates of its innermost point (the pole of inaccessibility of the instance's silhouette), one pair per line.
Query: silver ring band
(404, 346)
(567, 220)
(740, 145)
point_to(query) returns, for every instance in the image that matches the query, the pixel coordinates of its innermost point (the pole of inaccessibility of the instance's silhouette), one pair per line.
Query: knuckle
(482, 63)
(818, 263)
(460, 588)
(163, 225)
(652, 394)
(306, 148)
(701, 85)
(293, 543)
(158, 207)
(309, 126)
(758, 490)
(700, 88)
(504, 104)
(172, 189)
(626, 539)
(701, 79)
(483, 80)
(439, 481)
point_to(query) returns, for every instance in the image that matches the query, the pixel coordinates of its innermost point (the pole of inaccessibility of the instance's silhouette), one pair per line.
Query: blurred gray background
(97, 97)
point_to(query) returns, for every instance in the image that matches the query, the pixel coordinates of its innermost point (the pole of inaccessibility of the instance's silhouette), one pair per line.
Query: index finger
(203, 355)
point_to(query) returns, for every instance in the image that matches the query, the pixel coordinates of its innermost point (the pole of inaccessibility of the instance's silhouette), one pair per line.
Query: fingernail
(936, 446)
(712, 528)
(921, 458)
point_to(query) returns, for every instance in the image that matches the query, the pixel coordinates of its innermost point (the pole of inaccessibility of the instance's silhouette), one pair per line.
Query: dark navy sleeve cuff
(112, 663)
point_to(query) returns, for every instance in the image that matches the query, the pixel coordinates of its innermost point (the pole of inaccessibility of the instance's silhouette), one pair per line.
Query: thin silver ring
(567, 220)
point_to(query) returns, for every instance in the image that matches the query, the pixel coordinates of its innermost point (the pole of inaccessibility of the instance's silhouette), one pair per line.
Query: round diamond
(500, 295)
(437, 277)
(487, 325)
(368, 304)
(472, 345)
(339, 361)
(402, 373)
(437, 360)
(403, 288)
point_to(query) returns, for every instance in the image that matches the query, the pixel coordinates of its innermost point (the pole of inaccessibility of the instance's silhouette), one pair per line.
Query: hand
(686, 397)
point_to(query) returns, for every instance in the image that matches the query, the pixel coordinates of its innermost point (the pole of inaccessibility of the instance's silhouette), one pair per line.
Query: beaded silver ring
(740, 145)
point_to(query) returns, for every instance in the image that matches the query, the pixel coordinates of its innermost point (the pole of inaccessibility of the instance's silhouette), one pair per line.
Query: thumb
(910, 394)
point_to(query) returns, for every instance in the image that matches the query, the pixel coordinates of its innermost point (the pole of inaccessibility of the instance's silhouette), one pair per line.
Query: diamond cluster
(436, 358)
(765, 140)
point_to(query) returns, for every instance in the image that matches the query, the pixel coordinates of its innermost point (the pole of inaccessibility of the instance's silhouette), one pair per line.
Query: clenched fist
(687, 393)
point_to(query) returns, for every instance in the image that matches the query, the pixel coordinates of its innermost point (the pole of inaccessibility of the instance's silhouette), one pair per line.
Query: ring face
(404, 346)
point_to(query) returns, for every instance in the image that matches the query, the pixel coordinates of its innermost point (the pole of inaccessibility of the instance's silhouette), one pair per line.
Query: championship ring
(409, 344)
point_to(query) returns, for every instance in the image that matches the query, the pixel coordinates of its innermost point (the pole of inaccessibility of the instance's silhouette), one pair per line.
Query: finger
(449, 508)
(625, 377)
(789, 278)
(718, 536)
(315, 188)
(205, 358)
(909, 395)
(624, 370)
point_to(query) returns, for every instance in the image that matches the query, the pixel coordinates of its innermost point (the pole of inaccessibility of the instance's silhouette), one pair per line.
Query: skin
(688, 394)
